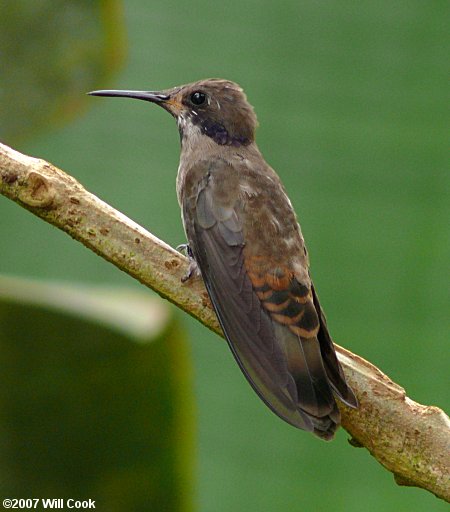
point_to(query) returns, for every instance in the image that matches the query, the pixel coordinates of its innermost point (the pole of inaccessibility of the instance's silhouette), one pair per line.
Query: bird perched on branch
(244, 238)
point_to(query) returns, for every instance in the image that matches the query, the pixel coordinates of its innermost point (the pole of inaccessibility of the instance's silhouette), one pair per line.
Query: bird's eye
(198, 98)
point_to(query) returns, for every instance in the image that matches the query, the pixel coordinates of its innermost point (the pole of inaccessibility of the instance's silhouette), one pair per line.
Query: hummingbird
(246, 243)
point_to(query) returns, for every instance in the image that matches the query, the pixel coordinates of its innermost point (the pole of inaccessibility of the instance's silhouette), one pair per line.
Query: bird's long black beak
(154, 97)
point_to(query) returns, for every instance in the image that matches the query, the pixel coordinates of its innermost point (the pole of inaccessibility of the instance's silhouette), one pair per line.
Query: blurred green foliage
(93, 403)
(351, 102)
(50, 51)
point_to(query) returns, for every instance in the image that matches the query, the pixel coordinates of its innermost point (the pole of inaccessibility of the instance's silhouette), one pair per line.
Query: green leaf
(50, 54)
(95, 397)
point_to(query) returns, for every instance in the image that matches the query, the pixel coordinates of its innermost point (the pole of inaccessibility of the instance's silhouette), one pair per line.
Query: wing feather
(270, 320)
(247, 326)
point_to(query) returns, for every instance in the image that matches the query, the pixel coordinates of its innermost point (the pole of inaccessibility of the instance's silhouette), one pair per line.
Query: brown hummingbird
(245, 240)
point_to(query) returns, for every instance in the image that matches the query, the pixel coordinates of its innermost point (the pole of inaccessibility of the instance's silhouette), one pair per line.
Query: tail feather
(310, 390)
(332, 366)
(317, 376)
(328, 418)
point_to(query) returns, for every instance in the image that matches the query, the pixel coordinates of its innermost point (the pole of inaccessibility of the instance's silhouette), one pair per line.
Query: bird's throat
(189, 125)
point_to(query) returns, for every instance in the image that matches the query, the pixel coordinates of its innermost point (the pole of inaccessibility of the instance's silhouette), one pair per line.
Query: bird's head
(214, 108)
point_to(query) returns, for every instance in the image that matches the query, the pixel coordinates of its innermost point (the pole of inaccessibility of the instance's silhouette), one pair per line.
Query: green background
(351, 104)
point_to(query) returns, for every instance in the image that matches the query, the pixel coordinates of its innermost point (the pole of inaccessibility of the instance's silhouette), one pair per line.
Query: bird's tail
(309, 386)
(333, 368)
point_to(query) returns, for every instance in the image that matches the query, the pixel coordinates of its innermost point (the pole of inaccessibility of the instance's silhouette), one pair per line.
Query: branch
(410, 440)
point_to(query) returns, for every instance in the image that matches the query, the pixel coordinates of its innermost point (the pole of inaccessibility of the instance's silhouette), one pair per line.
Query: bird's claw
(193, 270)
(185, 249)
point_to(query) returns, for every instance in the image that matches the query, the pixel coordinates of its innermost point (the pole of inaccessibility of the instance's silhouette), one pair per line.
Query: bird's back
(244, 235)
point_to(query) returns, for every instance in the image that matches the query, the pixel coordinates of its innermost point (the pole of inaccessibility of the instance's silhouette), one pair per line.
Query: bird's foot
(185, 249)
(193, 270)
